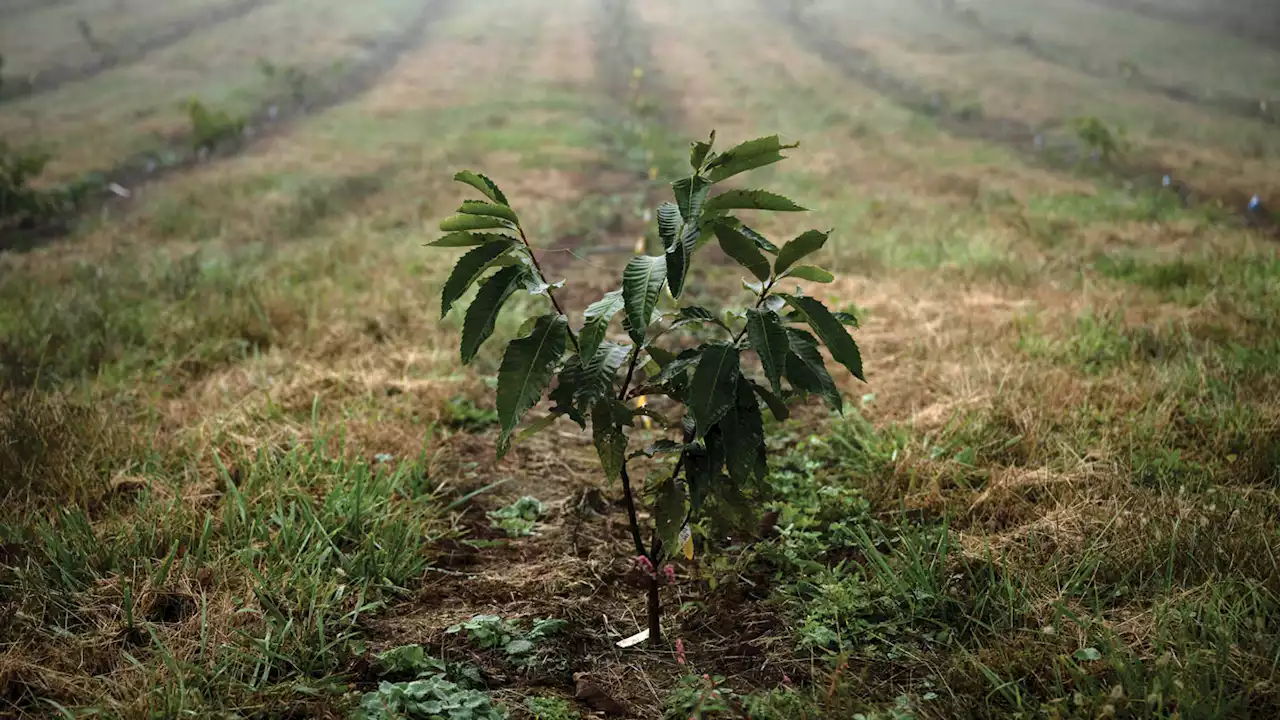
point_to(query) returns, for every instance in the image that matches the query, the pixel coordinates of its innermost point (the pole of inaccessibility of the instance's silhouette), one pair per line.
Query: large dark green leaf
(832, 332)
(743, 249)
(641, 283)
(483, 313)
(669, 507)
(477, 207)
(807, 371)
(599, 371)
(751, 200)
(769, 339)
(455, 223)
(811, 273)
(469, 269)
(526, 372)
(483, 184)
(564, 393)
(668, 223)
(691, 194)
(775, 403)
(743, 429)
(806, 244)
(679, 254)
(596, 321)
(714, 388)
(468, 239)
(607, 417)
(747, 156)
(761, 241)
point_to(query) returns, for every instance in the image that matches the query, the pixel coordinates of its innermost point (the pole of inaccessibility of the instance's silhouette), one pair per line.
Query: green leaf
(661, 357)
(691, 194)
(775, 403)
(679, 254)
(751, 200)
(526, 372)
(472, 222)
(807, 371)
(599, 371)
(761, 241)
(607, 435)
(846, 318)
(476, 207)
(483, 184)
(747, 156)
(564, 393)
(811, 273)
(467, 239)
(641, 283)
(538, 426)
(699, 151)
(741, 248)
(669, 507)
(832, 332)
(483, 313)
(743, 430)
(596, 321)
(469, 269)
(806, 244)
(714, 387)
(668, 223)
(769, 339)
(660, 447)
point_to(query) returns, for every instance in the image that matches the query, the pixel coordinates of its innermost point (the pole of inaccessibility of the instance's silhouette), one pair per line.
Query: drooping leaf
(807, 371)
(526, 372)
(468, 239)
(660, 356)
(679, 254)
(607, 435)
(599, 371)
(769, 339)
(806, 244)
(741, 248)
(660, 447)
(775, 403)
(564, 393)
(699, 151)
(538, 426)
(596, 321)
(691, 193)
(743, 430)
(832, 332)
(478, 207)
(761, 241)
(472, 222)
(641, 283)
(669, 507)
(696, 314)
(483, 313)
(483, 184)
(846, 318)
(747, 156)
(468, 269)
(668, 223)
(811, 273)
(714, 387)
(751, 200)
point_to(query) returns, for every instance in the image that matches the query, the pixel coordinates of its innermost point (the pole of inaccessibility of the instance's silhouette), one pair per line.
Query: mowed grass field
(243, 471)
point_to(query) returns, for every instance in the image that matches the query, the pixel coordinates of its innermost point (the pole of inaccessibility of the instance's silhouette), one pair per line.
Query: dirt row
(1027, 140)
(114, 57)
(275, 115)
(1248, 108)
(1259, 21)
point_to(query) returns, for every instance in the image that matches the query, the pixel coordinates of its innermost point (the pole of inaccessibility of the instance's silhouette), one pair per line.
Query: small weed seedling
(211, 128)
(718, 446)
(1104, 142)
(518, 518)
